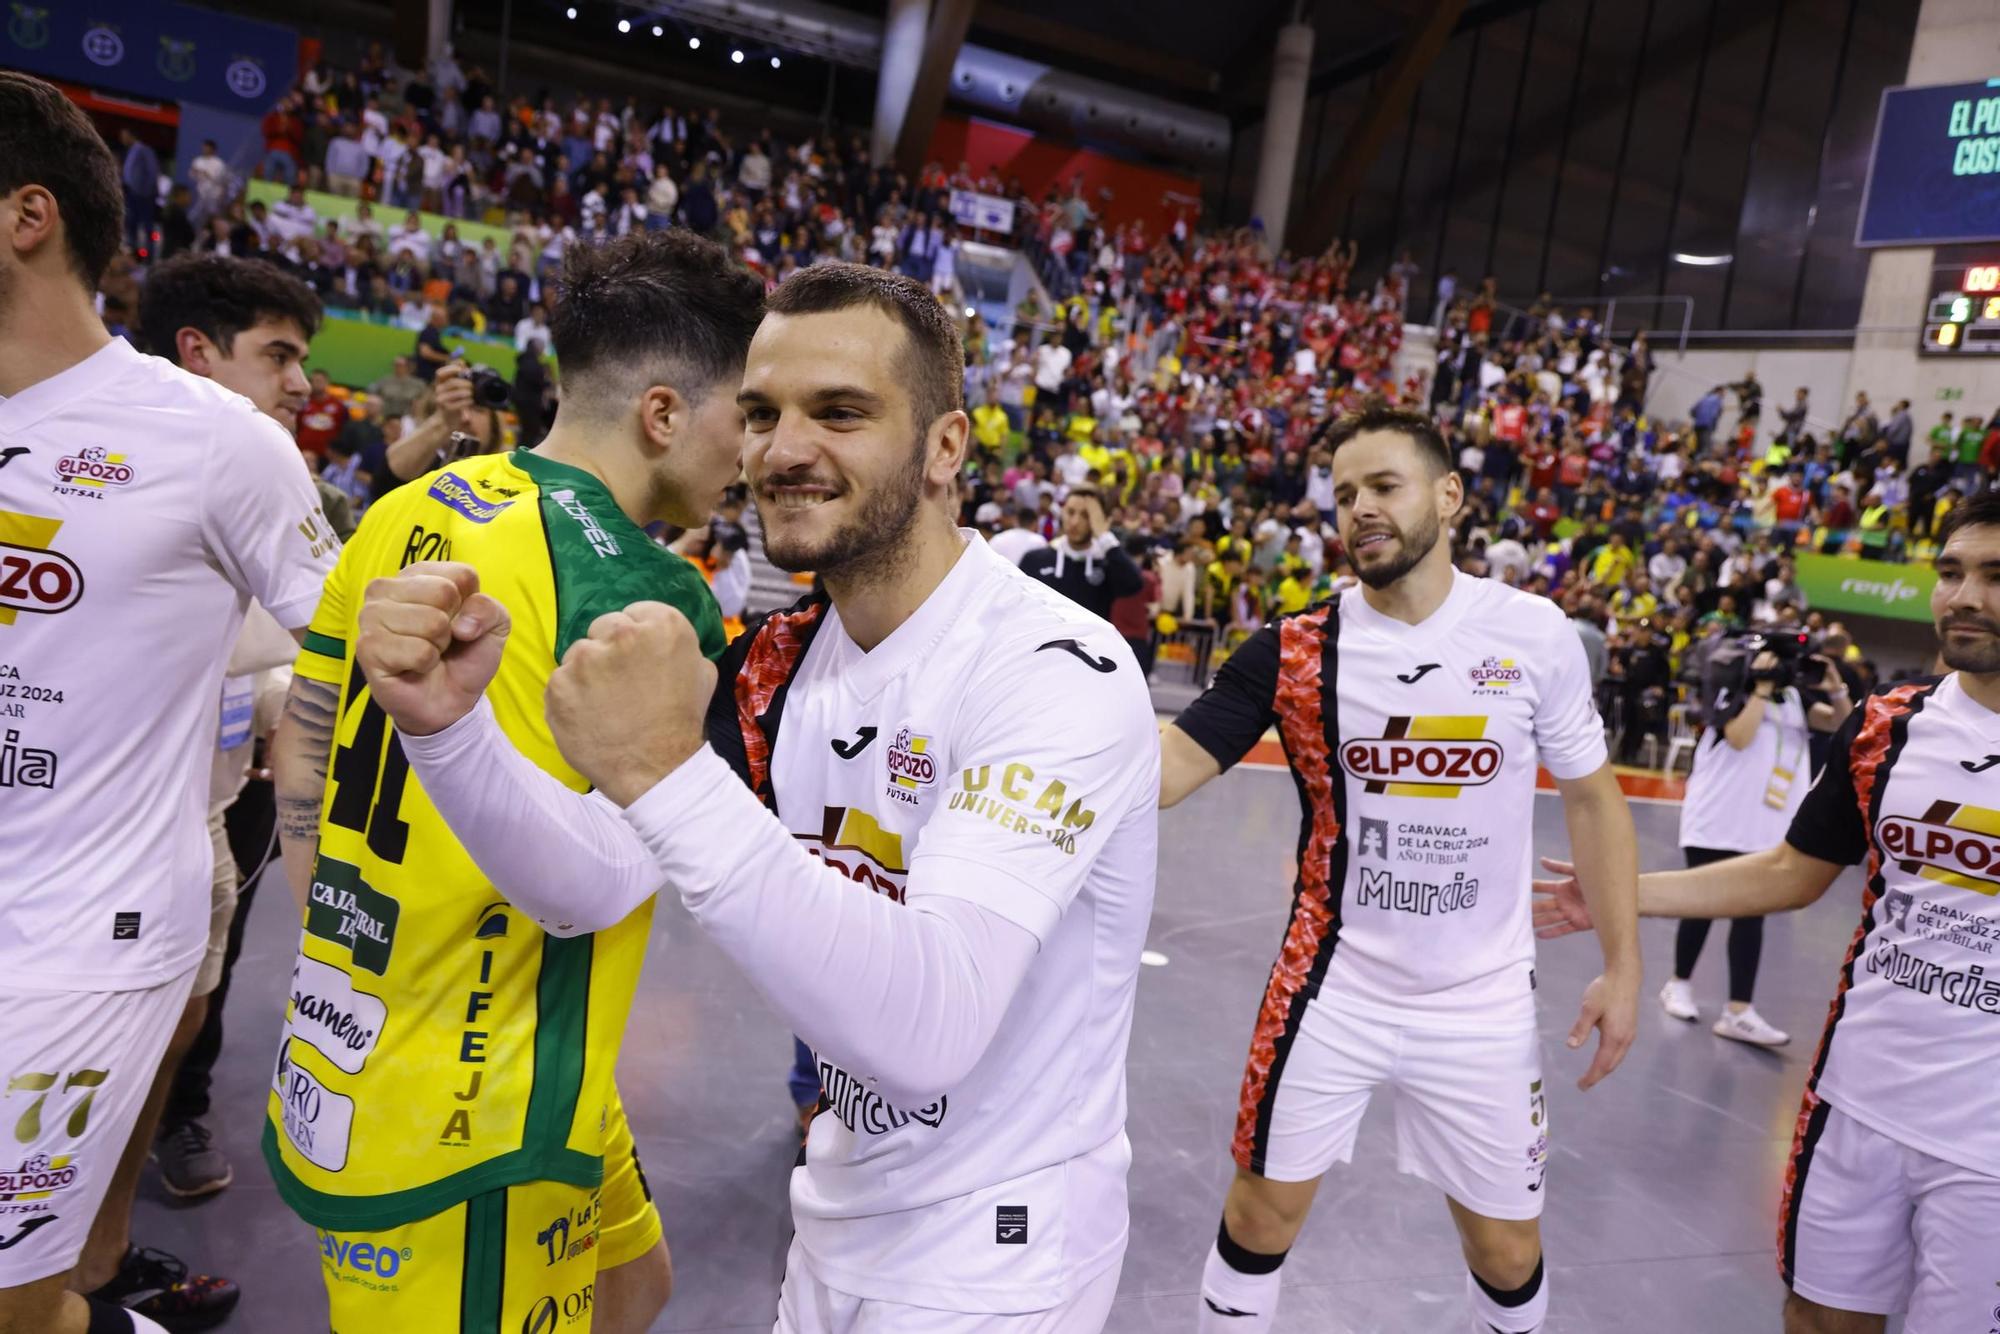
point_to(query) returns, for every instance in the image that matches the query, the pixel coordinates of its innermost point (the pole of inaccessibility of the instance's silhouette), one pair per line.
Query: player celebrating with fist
(444, 1088)
(938, 864)
(1894, 1184)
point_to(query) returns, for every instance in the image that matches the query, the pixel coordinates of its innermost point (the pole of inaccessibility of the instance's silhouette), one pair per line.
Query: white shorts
(75, 1067)
(1874, 1226)
(222, 894)
(1471, 1117)
(808, 1306)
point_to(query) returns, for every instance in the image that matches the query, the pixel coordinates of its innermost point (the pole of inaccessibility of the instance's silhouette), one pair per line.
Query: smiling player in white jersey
(951, 899)
(141, 509)
(1414, 712)
(1893, 1191)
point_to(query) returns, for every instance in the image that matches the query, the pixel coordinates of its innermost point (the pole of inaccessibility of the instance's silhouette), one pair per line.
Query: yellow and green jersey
(438, 1043)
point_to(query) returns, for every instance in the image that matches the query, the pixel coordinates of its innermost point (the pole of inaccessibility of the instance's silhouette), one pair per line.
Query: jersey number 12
(370, 762)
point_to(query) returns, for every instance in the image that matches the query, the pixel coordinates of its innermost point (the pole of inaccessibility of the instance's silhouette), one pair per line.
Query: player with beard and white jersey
(938, 862)
(1890, 1197)
(1414, 712)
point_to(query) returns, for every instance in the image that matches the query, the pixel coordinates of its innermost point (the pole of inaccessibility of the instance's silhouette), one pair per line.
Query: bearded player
(923, 823)
(1894, 1182)
(1414, 712)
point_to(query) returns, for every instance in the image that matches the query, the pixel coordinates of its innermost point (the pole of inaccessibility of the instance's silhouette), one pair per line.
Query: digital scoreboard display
(1965, 320)
(1934, 174)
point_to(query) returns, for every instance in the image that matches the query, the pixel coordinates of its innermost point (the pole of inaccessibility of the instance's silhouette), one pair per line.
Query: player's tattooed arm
(299, 756)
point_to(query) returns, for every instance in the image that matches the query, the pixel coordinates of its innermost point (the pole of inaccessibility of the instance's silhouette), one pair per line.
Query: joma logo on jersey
(910, 765)
(455, 493)
(34, 578)
(1953, 844)
(1424, 757)
(346, 911)
(93, 469)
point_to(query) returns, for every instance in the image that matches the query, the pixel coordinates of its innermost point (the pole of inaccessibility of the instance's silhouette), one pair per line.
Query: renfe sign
(1872, 587)
(1934, 175)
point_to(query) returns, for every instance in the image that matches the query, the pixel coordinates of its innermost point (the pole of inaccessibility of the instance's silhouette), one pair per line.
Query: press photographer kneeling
(1751, 772)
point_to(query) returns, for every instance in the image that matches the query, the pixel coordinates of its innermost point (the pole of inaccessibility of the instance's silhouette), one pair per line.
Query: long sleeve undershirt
(907, 994)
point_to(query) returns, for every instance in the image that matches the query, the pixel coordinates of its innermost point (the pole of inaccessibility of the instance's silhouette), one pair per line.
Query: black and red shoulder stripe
(752, 679)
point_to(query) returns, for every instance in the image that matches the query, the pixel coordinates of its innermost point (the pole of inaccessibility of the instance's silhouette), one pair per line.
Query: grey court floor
(1663, 1182)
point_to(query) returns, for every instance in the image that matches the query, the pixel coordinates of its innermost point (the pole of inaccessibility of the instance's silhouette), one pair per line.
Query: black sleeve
(1830, 825)
(1121, 574)
(724, 729)
(1232, 715)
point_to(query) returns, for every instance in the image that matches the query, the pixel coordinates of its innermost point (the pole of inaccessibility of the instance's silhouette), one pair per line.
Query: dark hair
(1415, 426)
(652, 297)
(933, 354)
(46, 140)
(1978, 511)
(219, 296)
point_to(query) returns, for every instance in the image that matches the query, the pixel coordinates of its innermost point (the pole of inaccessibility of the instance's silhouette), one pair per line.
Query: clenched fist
(429, 644)
(628, 703)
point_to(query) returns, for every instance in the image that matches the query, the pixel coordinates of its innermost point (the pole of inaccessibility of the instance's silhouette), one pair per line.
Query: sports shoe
(191, 1167)
(1746, 1025)
(158, 1286)
(1677, 999)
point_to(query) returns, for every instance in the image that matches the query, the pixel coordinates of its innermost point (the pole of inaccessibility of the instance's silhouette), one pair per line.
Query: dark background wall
(1574, 146)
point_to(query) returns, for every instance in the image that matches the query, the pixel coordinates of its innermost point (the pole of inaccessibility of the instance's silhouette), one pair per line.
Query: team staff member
(1085, 563)
(939, 729)
(141, 509)
(444, 1087)
(1894, 1181)
(1749, 779)
(1414, 712)
(246, 325)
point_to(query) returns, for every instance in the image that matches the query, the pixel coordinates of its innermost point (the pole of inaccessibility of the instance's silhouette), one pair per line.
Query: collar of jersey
(1957, 702)
(85, 378)
(1433, 626)
(912, 642)
(548, 472)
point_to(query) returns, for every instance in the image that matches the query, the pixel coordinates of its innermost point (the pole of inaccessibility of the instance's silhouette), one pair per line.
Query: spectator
(347, 161)
(1016, 536)
(1896, 432)
(140, 176)
(320, 420)
(532, 328)
(1088, 566)
(431, 352)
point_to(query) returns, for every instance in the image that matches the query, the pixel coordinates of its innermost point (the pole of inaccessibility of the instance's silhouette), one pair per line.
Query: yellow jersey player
(442, 1110)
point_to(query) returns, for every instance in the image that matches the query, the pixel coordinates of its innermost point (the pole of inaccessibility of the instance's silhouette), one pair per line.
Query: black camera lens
(490, 388)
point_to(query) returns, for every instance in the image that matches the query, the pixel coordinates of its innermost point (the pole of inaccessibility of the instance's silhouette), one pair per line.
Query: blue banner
(152, 49)
(1934, 178)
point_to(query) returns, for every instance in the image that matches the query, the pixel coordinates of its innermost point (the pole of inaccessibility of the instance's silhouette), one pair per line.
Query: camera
(1725, 669)
(489, 387)
(1790, 648)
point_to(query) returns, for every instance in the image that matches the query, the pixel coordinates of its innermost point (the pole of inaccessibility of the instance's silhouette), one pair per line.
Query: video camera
(1727, 677)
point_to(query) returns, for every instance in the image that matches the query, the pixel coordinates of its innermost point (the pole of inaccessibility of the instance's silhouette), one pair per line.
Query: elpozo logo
(92, 470)
(1953, 844)
(1494, 676)
(910, 764)
(34, 577)
(1435, 756)
(455, 493)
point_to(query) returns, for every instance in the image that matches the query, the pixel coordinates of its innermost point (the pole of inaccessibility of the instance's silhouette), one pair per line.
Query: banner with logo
(152, 49)
(988, 213)
(1870, 587)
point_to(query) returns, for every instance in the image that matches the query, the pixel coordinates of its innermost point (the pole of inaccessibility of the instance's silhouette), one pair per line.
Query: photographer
(1751, 773)
(464, 420)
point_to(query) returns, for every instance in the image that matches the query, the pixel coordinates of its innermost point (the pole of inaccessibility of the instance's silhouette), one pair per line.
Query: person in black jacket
(1085, 563)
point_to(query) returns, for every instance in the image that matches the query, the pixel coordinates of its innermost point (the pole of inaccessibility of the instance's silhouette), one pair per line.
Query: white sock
(1519, 1312)
(1235, 1302)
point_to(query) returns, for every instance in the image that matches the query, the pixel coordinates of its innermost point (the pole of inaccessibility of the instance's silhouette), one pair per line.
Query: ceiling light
(624, 25)
(774, 62)
(735, 57)
(694, 43)
(658, 31)
(572, 11)
(1702, 261)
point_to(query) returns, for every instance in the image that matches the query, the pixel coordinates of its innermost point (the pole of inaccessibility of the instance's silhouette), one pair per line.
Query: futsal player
(1894, 1182)
(141, 509)
(442, 1110)
(923, 824)
(1414, 711)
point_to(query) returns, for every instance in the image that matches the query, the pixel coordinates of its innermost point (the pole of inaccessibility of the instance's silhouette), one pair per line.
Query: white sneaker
(1747, 1025)
(1677, 999)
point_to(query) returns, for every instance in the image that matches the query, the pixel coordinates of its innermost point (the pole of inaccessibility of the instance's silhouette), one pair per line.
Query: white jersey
(1744, 800)
(1418, 792)
(1912, 1044)
(141, 508)
(1005, 736)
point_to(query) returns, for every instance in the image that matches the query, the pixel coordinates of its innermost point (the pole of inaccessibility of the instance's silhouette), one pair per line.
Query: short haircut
(933, 354)
(665, 306)
(46, 140)
(219, 296)
(1978, 511)
(1417, 427)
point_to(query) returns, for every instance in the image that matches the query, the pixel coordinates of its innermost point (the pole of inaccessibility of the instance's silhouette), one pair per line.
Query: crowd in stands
(1181, 379)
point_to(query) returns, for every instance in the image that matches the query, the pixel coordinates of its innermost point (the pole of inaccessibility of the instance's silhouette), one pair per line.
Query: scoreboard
(1966, 319)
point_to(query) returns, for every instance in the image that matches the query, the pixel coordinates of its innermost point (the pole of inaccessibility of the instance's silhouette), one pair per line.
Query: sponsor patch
(332, 1018)
(912, 766)
(91, 472)
(1951, 843)
(344, 909)
(455, 493)
(1010, 1225)
(317, 1120)
(1425, 757)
